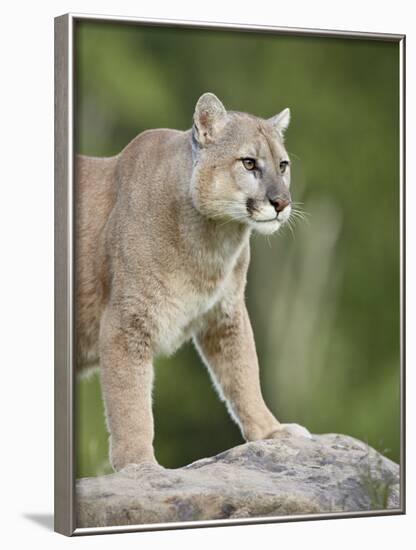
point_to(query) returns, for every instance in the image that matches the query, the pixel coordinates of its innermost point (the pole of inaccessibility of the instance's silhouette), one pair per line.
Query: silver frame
(65, 502)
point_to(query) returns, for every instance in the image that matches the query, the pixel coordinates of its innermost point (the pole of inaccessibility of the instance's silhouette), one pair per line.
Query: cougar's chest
(193, 293)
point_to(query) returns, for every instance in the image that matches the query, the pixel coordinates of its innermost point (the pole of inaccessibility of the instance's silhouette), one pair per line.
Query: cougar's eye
(283, 165)
(249, 164)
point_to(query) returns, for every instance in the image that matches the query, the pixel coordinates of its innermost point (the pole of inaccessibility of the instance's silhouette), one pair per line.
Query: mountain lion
(162, 254)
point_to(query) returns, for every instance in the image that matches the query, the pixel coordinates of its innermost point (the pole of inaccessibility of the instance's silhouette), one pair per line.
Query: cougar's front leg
(227, 346)
(126, 376)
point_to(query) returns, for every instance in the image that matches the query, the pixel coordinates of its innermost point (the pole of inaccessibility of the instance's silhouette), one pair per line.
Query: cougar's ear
(281, 121)
(209, 118)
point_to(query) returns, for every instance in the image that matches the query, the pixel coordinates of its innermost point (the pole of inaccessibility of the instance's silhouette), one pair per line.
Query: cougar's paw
(292, 429)
(123, 455)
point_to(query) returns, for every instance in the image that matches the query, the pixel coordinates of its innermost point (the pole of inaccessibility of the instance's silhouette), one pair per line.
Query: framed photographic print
(229, 229)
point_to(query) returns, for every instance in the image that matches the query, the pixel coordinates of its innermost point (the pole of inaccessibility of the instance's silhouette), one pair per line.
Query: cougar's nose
(279, 204)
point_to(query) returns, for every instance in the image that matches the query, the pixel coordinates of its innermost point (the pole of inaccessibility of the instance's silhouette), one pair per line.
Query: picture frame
(65, 334)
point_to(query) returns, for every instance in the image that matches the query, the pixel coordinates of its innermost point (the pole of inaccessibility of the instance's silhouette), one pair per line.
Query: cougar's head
(241, 168)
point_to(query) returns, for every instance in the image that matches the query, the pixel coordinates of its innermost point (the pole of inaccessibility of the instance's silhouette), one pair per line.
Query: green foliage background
(324, 302)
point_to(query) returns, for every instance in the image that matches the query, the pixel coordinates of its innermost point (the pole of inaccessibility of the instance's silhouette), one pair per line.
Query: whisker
(299, 217)
(301, 214)
(294, 155)
(295, 221)
(289, 224)
(283, 229)
(295, 213)
(299, 211)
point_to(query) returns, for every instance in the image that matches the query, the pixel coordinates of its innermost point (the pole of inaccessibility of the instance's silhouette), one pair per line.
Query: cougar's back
(95, 195)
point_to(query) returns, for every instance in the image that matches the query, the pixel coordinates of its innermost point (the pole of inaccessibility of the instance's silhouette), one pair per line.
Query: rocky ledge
(277, 477)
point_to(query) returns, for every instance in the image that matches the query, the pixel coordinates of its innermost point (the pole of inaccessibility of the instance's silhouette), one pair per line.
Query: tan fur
(162, 256)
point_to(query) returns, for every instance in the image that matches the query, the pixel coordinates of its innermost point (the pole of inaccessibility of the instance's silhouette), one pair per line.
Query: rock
(271, 478)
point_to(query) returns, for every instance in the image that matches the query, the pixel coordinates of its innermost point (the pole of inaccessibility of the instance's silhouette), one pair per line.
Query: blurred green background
(324, 302)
